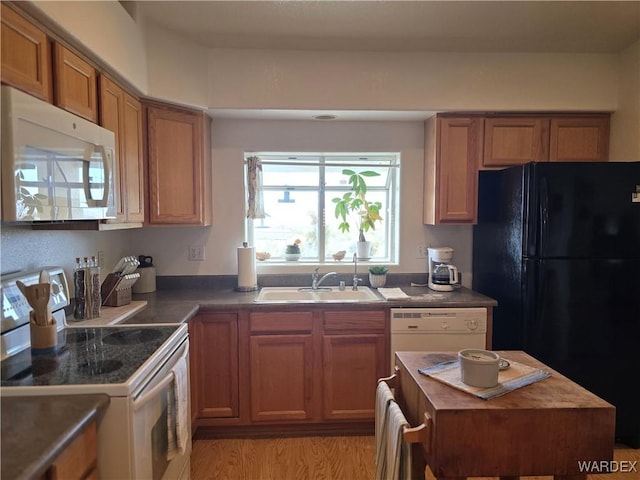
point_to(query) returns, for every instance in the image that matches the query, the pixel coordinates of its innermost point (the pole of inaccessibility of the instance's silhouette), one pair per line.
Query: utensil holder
(44, 338)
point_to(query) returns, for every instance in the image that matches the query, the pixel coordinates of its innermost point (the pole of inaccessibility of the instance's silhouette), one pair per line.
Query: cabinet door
(79, 460)
(354, 357)
(122, 114)
(26, 55)
(352, 364)
(76, 84)
(111, 112)
(579, 139)
(453, 146)
(176, 161)
(133, 158)
(281, 377)
(515, 141)
(214, 363)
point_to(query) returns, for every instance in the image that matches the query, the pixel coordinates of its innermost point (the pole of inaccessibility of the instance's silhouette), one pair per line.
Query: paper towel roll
(247, 279)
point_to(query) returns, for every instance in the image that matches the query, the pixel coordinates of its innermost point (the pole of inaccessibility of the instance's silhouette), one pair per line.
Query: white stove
(143, 368)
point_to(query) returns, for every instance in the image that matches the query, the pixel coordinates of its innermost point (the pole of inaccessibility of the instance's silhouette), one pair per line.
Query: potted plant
(354, 206)
(378, 276)
(292, 251)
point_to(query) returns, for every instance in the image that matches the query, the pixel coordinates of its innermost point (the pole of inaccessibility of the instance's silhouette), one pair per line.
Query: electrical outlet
(196, 252)
(423, 251)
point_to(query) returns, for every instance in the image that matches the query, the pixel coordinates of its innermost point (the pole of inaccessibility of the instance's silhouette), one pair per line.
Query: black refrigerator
(558, 246)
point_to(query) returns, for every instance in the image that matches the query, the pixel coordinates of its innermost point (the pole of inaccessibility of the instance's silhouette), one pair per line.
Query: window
(297, 191)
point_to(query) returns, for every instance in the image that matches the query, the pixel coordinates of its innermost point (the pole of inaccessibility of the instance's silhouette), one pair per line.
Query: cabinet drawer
(370, 321)
(278, 322)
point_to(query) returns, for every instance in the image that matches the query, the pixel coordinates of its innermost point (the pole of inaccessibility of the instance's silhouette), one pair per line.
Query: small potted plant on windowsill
(362, 212)
(378, 276)
(292, 251)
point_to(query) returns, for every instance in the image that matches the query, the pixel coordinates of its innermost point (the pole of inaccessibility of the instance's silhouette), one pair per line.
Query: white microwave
(56, 166)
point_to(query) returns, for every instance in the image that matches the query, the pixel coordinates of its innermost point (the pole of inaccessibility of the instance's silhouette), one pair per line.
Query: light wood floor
(315, 458)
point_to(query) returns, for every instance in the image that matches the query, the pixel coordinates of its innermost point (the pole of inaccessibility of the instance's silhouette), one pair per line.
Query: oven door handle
(141, 401)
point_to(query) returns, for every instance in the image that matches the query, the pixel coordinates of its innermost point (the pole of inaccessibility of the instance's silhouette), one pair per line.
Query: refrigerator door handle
(544, 216)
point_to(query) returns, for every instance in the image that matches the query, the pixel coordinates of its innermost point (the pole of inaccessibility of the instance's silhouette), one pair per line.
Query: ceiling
(393, 25)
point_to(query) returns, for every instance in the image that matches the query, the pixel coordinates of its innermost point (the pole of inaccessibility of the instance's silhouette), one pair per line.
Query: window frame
(361, 161)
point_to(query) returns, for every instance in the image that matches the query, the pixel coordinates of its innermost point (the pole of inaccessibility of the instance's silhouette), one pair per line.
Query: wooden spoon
(38, 297)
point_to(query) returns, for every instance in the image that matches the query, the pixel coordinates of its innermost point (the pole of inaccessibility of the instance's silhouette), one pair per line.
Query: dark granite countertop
(180, 304)
(35, 430)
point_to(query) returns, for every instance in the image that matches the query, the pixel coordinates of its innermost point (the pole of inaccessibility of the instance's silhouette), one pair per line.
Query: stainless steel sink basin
(322, 295)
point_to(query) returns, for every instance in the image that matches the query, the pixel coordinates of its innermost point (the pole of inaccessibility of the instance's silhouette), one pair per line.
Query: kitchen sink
(321, 295)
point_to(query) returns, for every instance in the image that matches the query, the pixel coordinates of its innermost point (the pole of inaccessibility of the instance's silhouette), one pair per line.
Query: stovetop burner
(132, 337)
(87, 356)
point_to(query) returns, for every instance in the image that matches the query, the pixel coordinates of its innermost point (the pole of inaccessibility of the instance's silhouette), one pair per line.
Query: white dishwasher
(437, 329)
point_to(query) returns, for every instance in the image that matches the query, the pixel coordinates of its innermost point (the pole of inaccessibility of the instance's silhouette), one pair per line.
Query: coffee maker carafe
(443, 276)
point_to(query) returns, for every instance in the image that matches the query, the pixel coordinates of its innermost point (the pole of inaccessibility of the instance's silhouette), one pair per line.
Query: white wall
(29, 250)
(231, 138)
(625, 123)
(411, 81)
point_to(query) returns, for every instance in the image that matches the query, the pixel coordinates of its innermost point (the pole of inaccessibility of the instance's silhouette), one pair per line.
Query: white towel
(398, 451)
(178, 410)
(383, 397)
(392, 293)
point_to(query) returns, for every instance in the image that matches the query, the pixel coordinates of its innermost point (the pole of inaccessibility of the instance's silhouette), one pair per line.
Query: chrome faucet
(315, 282)
(355, 273)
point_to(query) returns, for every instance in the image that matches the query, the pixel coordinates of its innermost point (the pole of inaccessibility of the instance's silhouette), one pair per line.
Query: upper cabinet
(121, 113)
(75, 84)
(515, 140)
(579, 139)
(26, 55)
(179, 165)
(453, 148)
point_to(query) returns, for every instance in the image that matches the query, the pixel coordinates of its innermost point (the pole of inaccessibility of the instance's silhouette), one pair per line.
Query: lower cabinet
(79, 460)
(353, 358)
(214, 365)
(262, 368)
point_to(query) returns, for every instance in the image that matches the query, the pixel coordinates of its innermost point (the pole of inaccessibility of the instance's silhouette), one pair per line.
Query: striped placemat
(516, 376)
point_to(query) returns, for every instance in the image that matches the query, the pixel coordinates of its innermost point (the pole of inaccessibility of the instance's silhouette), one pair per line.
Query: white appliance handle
(91, 202)
(453, 274)
(142, 400)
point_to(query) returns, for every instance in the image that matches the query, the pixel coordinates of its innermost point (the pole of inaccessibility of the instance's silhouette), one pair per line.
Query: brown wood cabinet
(296, 369)
(79, 461)
(281, 363)
(179, 166)
(579, 139)
(214, 364)
(76, 84)
(26, 55)
(354, 350)
(515, 141)
(121, 113)
(453, 148)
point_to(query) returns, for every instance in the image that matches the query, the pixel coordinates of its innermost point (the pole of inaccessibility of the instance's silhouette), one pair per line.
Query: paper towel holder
(254, 286)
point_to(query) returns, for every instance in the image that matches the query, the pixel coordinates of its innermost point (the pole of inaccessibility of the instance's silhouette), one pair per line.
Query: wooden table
(546, 428)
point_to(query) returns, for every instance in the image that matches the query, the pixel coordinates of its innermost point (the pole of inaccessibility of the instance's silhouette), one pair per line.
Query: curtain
(255, 204)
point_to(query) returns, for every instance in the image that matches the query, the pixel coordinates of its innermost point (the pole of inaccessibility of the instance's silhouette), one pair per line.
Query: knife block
(118, 298)
(44, 338)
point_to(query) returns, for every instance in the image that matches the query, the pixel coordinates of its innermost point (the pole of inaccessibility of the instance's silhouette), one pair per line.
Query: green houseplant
(292, 250)
(353, 206)
(378, 276)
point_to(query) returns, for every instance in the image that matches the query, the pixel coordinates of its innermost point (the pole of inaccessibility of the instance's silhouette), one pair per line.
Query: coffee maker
(443, 276)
